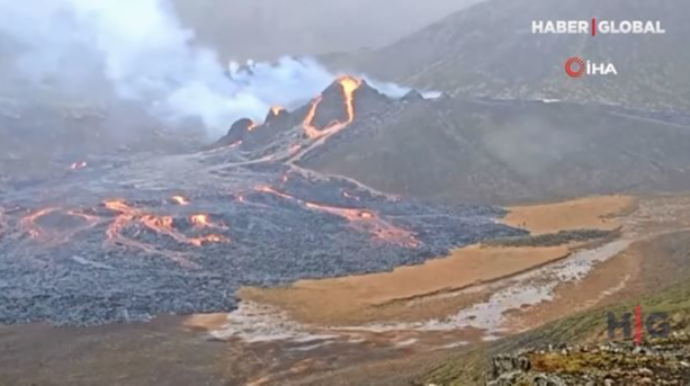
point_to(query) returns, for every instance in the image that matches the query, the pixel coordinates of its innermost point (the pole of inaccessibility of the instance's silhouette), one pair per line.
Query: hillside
(477, 151)
(503, 152)
(489, 51)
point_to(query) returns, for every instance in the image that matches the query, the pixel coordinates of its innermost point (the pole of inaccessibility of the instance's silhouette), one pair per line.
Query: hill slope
(476, 151)
(489, 51)
(503, 152)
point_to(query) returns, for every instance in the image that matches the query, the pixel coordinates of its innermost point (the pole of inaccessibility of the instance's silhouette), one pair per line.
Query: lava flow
(371, 223)
(201, 221)
(180, 200)
(63, 226)
(28, 223)
(365, 220)
(204, 221)
(163, 225)
(349, 85)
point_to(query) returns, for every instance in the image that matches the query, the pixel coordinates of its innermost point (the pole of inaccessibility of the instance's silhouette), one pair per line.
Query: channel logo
(576, 67)
(595, 27)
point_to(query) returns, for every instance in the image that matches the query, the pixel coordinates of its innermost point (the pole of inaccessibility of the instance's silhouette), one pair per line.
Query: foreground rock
(660, 362)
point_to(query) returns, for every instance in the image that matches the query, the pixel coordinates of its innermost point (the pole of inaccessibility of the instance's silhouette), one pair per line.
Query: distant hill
(488, 50)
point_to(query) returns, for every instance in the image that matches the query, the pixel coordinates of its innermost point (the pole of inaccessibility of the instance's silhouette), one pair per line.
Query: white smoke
(143, 53)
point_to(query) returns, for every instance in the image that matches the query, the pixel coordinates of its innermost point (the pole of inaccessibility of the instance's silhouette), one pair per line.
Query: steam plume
(138, 51)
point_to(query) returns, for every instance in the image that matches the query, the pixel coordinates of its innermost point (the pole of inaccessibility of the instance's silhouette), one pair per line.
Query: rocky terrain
(489, 51)
(661, 362)
(124, 237)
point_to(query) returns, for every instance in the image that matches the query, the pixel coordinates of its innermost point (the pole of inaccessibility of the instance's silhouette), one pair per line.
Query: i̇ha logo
(576, 67)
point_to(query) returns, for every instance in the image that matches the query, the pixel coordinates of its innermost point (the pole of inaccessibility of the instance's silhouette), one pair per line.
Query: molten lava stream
(362, 219)
(57, 234)
(164, 225)
(349, 86)
(372, 223)
(204, 221)
(180, 200)
(28, 223)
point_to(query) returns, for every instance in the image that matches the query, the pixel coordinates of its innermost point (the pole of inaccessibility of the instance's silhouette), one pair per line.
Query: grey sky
(264, 29)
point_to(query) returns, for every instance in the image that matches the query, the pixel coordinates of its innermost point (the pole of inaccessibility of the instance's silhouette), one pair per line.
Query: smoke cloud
(138, 51)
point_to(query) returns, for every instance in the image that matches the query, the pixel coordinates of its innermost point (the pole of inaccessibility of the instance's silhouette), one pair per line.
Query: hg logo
(656, 324)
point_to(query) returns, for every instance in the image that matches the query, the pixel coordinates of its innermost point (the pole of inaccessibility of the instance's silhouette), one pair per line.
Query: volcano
(482, 151)
(135, 235)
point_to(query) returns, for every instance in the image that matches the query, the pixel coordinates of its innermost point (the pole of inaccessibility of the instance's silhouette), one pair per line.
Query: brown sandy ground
(396, 295)
(584, 213)
(661, 261)
(179, 351)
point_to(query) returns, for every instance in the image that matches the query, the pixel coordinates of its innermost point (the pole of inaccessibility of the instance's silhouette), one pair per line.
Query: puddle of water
(528, 289)
(254, 323)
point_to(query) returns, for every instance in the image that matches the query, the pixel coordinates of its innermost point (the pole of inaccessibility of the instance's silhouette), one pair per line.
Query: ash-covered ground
(127, 237)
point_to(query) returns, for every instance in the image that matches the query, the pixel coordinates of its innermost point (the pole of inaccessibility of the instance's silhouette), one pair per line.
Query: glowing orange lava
(276, 110)
(364, 220)
(179, 200)
(28, 223)
(270, 190)
(163, 225)
(372, 223)
(366, 215)
(252, 126)
(308, 125)
(210, 239)
(201, 220)
(56, 234)
(349, 85)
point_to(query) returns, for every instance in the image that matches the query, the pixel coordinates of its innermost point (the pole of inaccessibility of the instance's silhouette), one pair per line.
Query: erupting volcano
(186, 231)
(349, 86)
